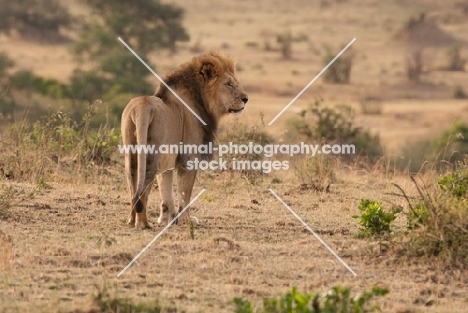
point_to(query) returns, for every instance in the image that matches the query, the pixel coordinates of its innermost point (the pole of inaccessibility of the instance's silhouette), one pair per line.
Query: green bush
(27, 80)
(87, 85)
(439, 220)
(374, 220)
(338, 300)
(417, 216)
(455, 183)
(443, 232)
(321, 124)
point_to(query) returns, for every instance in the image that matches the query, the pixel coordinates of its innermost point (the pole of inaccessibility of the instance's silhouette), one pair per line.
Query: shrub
(35, 151)
(333, 125)
(87, 85)
(27, 80)
(7, 102)
(417, 216)
(454, 59)
(441, 217)
(240, 133)
(414, 66)
(459, 93)
(374, 220)
(455, 184)
(340, 71)
(316, 172)
(338, 300)
(5, 64)
(285, 40)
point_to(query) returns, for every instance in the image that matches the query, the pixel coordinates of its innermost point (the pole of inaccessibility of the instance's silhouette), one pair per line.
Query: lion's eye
(229, 85)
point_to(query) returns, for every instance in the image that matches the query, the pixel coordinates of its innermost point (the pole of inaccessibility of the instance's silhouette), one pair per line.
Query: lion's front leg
(185, 181)
(167, 197)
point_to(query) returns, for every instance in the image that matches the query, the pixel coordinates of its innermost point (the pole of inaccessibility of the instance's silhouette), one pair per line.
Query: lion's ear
(208, 71)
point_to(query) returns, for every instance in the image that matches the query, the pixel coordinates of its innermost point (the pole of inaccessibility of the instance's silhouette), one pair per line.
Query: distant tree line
(104, 68)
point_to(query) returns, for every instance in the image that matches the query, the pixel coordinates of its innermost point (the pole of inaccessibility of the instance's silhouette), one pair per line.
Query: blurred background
(400, 90)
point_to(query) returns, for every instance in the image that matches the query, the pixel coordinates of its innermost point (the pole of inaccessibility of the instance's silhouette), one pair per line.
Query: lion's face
(231, 94)
(223, 91)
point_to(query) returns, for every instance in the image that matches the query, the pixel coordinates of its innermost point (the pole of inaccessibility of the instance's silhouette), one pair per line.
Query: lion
(208, 85)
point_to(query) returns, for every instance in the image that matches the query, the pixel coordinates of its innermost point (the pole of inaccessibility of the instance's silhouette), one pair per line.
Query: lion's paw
(141, 225)
(164, 219)
(195, 220)
(130, 221)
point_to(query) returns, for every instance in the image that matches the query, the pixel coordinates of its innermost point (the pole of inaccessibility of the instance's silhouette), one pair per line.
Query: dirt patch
(242, 247)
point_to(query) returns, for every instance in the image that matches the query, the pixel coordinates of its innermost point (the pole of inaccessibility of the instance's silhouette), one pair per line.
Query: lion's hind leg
(165, 180)
(185, 181)
(141, 203)
(131, 163)
(130, 167)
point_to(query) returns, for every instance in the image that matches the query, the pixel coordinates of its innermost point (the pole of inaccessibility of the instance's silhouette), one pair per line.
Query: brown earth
(69, 242)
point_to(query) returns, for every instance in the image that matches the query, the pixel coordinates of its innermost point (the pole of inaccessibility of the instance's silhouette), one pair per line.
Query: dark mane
(188, 77)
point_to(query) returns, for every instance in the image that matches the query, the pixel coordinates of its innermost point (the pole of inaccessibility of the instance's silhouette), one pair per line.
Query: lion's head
(212, 83)
(222, 90)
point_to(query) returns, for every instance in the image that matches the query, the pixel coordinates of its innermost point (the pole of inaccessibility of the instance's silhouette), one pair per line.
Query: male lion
(208, 85)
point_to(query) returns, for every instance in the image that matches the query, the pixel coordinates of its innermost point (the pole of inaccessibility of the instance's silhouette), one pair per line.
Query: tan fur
(207, 84)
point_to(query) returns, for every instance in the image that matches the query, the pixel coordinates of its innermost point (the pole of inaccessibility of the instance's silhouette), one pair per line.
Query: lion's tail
(142, 121)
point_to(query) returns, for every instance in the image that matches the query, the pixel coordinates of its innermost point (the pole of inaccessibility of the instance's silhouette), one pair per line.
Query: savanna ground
(67, 242)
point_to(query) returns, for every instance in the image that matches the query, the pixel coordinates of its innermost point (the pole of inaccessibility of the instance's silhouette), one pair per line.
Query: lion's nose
(244, 98)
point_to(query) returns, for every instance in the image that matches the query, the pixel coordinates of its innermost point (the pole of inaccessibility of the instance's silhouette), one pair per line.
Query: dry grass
(70, 240)
(65, 244)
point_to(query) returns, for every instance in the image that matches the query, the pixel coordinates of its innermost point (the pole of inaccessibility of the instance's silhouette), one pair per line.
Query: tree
(145, 25)
(33, 16)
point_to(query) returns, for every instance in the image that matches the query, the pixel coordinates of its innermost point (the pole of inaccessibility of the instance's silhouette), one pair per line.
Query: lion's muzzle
(244, 98)
(236, 111)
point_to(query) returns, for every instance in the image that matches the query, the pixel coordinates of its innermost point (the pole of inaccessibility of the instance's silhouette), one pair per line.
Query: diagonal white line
(161, 232)
(161, 80)
(311, 82)
(313, 233)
